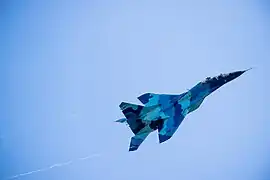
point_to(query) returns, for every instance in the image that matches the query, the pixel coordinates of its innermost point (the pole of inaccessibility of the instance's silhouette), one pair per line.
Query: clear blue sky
(66, 66)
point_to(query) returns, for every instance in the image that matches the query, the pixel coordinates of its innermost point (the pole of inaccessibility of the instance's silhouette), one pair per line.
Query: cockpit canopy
(215, 78)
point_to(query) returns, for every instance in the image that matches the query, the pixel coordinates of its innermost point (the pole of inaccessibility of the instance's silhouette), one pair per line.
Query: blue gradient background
(66, 66)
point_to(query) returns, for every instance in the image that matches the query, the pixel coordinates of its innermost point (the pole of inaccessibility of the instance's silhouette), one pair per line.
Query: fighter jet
(165, 112)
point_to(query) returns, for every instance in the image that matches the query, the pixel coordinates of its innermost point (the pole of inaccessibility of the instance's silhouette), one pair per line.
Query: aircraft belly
(152, 115)
(145, 130)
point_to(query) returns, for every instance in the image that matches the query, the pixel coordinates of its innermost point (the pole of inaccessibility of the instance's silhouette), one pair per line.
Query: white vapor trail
(54, 166)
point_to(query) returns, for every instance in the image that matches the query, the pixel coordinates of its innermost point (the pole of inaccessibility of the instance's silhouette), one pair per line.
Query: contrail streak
(54, 166)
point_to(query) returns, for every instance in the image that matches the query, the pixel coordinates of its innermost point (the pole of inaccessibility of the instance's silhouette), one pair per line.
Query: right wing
(150, 99)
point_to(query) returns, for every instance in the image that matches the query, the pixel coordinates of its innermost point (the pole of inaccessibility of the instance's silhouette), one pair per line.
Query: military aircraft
(165, 112)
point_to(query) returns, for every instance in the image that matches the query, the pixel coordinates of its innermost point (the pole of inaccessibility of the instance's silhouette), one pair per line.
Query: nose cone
(218, 81)
(232, 76)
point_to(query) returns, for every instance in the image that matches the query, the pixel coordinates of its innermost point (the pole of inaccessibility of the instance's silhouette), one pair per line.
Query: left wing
(176, 115)
(137, 140)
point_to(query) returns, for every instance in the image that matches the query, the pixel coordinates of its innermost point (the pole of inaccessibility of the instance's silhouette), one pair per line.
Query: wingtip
(163, 138)
(132, 148)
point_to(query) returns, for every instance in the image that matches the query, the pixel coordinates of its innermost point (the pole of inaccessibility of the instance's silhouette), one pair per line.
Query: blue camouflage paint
(165, 112)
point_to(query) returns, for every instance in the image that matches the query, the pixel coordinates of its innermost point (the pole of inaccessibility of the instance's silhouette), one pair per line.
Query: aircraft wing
(150, 99)
(176, 114)
(171, 124)
(137, 140)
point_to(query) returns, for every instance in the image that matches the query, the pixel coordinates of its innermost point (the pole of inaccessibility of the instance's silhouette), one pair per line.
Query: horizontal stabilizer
(132, 113)
(125, 105)
(122, 120)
